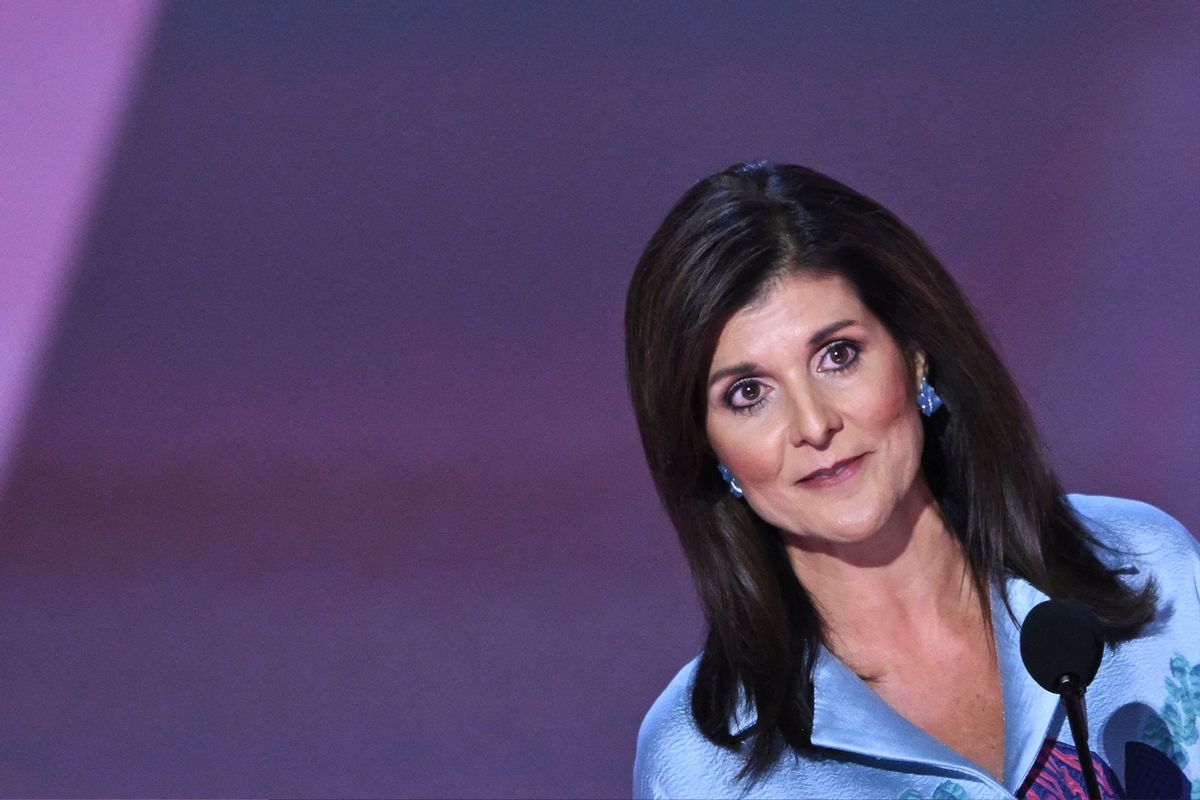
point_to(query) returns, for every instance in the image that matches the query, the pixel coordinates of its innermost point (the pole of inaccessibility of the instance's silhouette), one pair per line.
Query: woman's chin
(833, 534)
(856, 534)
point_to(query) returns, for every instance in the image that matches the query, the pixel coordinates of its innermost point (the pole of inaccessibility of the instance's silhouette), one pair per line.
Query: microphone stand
(1071, 691)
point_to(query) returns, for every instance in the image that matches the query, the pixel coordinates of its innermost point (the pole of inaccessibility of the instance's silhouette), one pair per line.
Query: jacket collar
(849, 716)
(1029, 710)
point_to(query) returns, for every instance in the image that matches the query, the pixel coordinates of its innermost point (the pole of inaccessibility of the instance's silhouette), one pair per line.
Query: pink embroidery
(1057, 775)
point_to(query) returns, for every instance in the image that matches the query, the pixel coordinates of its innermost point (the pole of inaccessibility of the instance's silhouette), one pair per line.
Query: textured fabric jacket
(1142, 706)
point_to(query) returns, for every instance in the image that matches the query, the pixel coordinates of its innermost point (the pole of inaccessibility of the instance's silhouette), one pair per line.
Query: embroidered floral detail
(1174, 729)
(946, 790)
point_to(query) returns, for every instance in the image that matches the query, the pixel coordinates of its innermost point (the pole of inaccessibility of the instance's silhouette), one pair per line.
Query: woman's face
(812, 407)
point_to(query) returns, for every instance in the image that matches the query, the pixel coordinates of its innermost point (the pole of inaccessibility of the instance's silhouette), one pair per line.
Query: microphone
(1062, 643)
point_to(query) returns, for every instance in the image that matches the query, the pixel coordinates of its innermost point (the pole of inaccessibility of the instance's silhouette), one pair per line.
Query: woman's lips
(838, 473)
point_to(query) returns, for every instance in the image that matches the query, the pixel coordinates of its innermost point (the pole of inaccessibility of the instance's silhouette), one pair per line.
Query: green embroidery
(949, 791)
(946, 790)
(1174, 729)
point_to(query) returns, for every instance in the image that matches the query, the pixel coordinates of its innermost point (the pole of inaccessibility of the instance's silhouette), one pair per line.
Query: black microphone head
(1062, 637)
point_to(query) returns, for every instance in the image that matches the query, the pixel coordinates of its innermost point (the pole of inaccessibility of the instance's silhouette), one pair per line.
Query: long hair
(719, 249)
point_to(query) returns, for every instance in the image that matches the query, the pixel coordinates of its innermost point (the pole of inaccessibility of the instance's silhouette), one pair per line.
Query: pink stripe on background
(66, 74)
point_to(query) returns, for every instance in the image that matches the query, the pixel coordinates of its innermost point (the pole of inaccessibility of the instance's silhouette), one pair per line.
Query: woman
(868, 517)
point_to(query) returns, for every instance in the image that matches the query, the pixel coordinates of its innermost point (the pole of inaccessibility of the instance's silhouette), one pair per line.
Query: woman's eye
(838, 356)
(744, 395)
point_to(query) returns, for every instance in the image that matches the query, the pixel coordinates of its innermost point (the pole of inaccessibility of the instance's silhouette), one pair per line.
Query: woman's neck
(908, 586)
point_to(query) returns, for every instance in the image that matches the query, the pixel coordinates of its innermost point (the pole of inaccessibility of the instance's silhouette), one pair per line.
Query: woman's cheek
(899, 421)
(755, 455)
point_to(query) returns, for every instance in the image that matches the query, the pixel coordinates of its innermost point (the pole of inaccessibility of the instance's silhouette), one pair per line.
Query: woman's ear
(920, 366)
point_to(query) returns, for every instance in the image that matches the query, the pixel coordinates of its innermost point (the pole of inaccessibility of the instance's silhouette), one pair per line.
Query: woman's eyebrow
(736, 369)
(828, 331)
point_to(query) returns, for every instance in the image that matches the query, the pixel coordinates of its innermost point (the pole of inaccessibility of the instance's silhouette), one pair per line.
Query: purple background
(326, 482)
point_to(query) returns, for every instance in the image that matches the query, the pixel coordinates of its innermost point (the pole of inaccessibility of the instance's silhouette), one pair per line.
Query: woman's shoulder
(1131, 524)
(663, 718)
(1136, 537)
(673, 757)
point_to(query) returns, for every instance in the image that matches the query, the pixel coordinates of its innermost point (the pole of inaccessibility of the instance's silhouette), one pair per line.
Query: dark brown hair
(719, 248)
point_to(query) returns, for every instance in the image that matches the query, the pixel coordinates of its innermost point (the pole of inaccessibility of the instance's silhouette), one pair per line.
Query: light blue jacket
(1142, 706)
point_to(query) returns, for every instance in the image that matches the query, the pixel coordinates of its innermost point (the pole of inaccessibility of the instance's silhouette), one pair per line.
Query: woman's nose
(814, 420)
